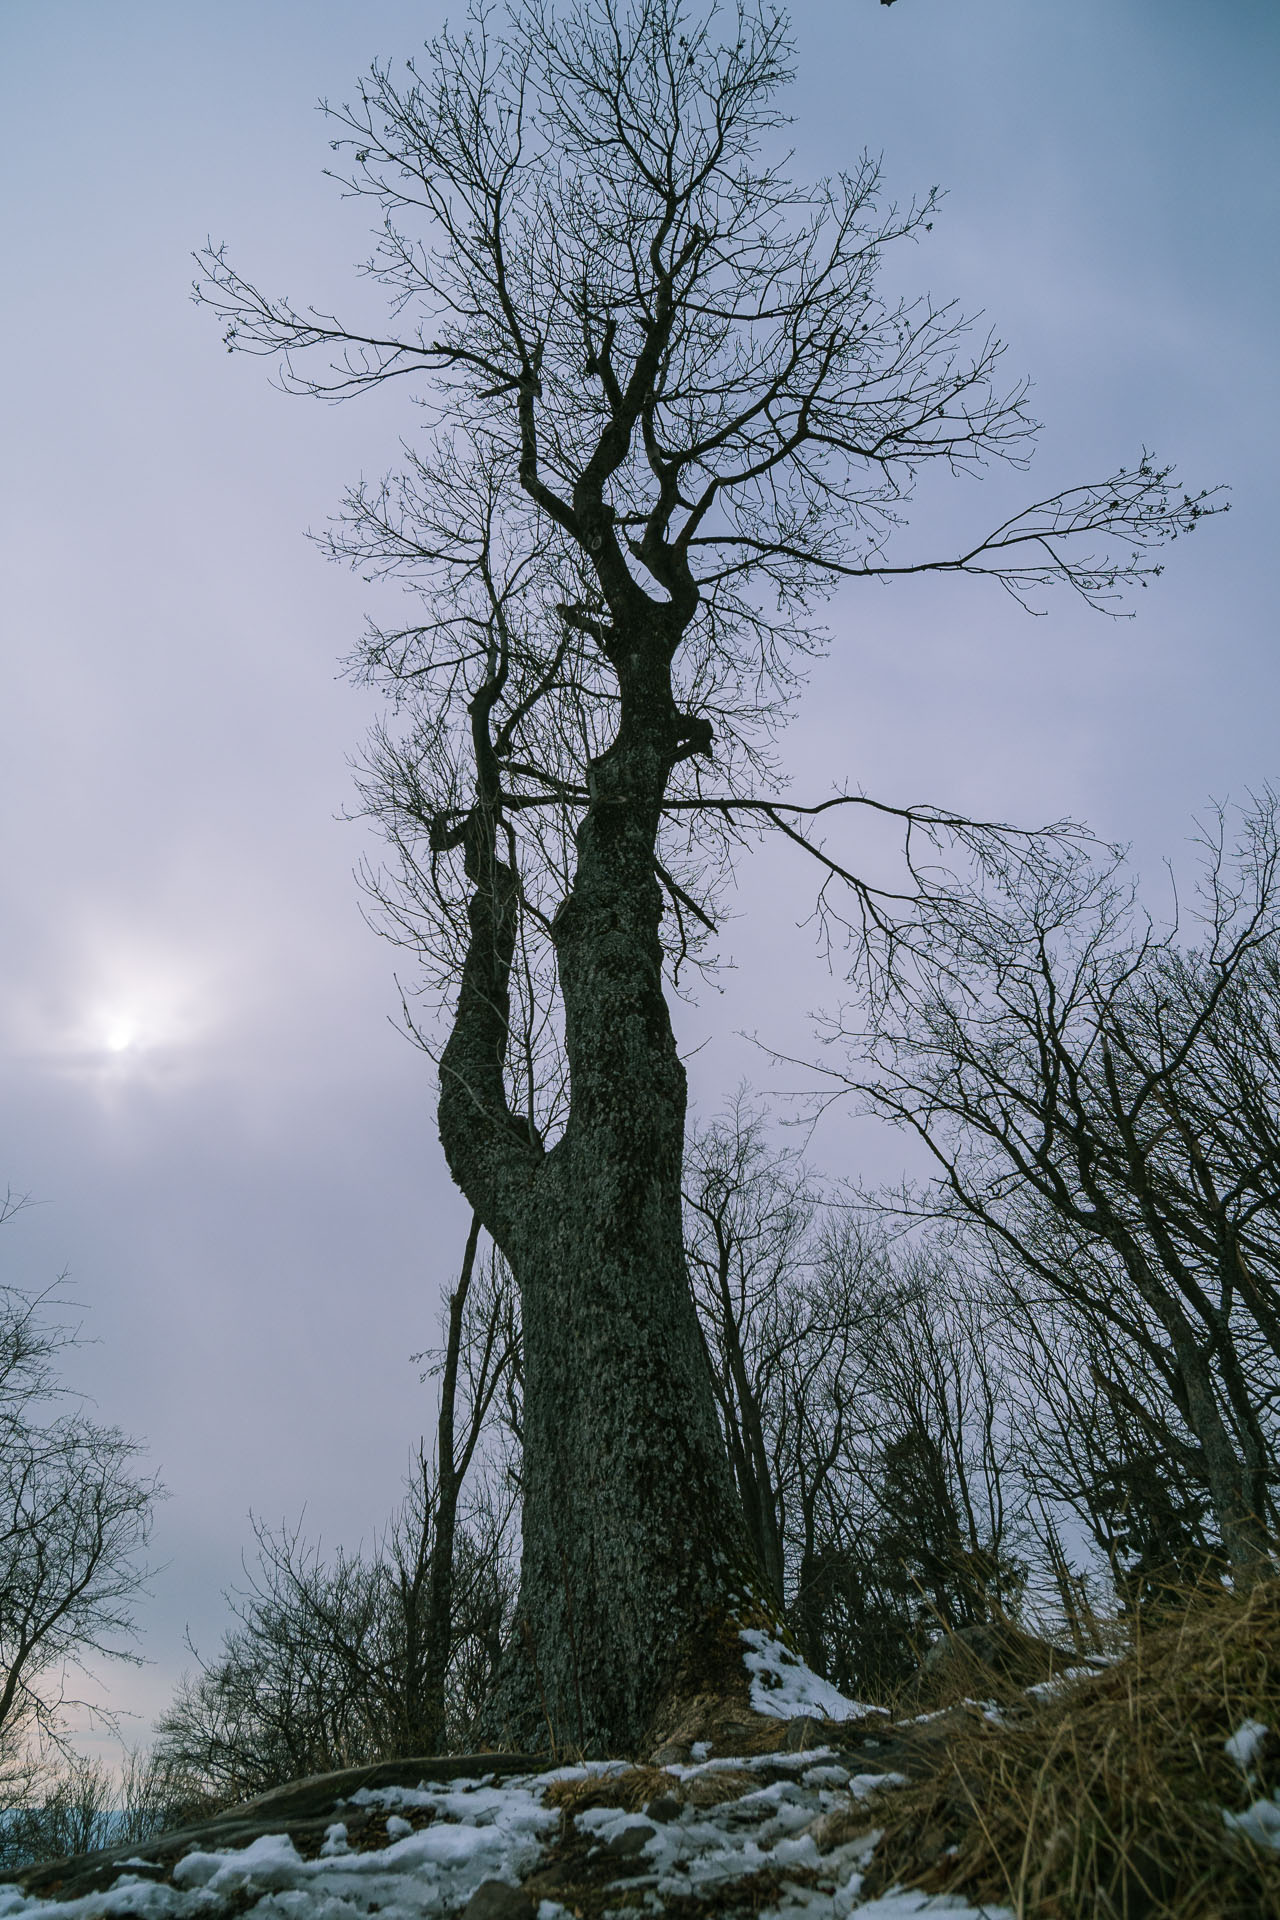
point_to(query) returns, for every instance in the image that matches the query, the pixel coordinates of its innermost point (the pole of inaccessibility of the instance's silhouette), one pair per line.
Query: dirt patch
(640, 1787)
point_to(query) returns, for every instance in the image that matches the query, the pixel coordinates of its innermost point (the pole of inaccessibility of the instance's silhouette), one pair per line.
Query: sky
(230, 1149)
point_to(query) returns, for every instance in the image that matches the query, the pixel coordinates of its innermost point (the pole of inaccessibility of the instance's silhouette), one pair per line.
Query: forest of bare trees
(1032, 1394)
(686, 1379)
(1033, 1399)
(852, 1488)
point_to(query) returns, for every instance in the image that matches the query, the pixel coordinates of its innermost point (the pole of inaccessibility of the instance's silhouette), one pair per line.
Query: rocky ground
(1146, 1784)
(785, 1825)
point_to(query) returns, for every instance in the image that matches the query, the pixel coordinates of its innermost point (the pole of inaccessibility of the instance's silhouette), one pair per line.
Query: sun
(149, 1009)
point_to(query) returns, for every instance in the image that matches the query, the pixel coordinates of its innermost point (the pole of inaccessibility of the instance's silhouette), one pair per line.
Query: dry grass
(634, 1789)
(1107, 1799)
(997, 1661)
(631, 1790)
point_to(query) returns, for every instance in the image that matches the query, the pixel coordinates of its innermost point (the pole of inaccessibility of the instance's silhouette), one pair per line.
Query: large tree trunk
(634, 1548)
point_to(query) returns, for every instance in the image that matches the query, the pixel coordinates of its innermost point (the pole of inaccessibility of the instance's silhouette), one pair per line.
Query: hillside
(1145, 1788)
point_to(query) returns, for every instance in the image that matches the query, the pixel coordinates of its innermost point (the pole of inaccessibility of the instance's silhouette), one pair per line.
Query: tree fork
(634, 1543)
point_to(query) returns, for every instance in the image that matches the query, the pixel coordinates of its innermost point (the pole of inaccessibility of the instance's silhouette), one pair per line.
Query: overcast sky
(233, 1151)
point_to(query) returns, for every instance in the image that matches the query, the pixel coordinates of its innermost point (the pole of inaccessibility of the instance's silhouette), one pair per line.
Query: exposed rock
(665, 1808)
(495, 1900)
(624, 1846)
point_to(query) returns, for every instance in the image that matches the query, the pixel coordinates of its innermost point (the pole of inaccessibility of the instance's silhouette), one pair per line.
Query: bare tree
(330, 1663)
(481, 1357)
(908, 1516)
(74, 1812)
(866, 1408)
(1102, 1439)
(750, 1211)
(669, 408)
(1100, 1099)
(374, 1654)
(74, 1520)
(77, 1805)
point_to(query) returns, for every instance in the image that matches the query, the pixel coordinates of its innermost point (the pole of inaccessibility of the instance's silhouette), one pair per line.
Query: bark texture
(633, 1539)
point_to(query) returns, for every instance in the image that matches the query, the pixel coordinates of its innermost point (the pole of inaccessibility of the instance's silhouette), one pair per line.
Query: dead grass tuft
(997, 1661)
(710, 1696)
(713, 1789)
(634, 1789)
(1106, 1800)
(631, 1790)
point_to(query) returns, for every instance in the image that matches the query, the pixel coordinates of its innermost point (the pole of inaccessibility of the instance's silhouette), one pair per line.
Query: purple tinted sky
(234, 1151)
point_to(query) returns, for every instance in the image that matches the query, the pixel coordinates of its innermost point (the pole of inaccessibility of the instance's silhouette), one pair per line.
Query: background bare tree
(749, 1212)
(669, 408)
(480, 1361)
(74, 1812)
(327, 1662)
(74, 1518)
(865, 1406)
(384, 1653)
(77, 1805)
(1102, 1441)
(1101, 1099)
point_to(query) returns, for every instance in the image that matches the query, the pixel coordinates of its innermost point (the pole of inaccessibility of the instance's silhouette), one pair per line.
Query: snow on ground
(1245, 1743)
(1260, 1822)
(450, 1844)
(445, 1841)
(898, 1906)
(476, 1831)
(783, 1687)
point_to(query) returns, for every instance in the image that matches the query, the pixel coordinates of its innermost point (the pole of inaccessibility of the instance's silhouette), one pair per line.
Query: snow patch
(482, 1830)
(898, 1906)
(1244, 1745)
(784, 1688)
(826, 1777)
(1259, 1823)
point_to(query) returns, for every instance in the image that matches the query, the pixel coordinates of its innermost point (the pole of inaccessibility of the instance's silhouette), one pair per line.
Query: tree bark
(634, 1546)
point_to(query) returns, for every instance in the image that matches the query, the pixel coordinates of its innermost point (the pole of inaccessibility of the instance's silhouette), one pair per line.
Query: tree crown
(668, 407)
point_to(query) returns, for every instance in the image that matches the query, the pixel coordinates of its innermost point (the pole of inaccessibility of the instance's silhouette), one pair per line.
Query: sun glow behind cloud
(147, 1009)
(122, 1008)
